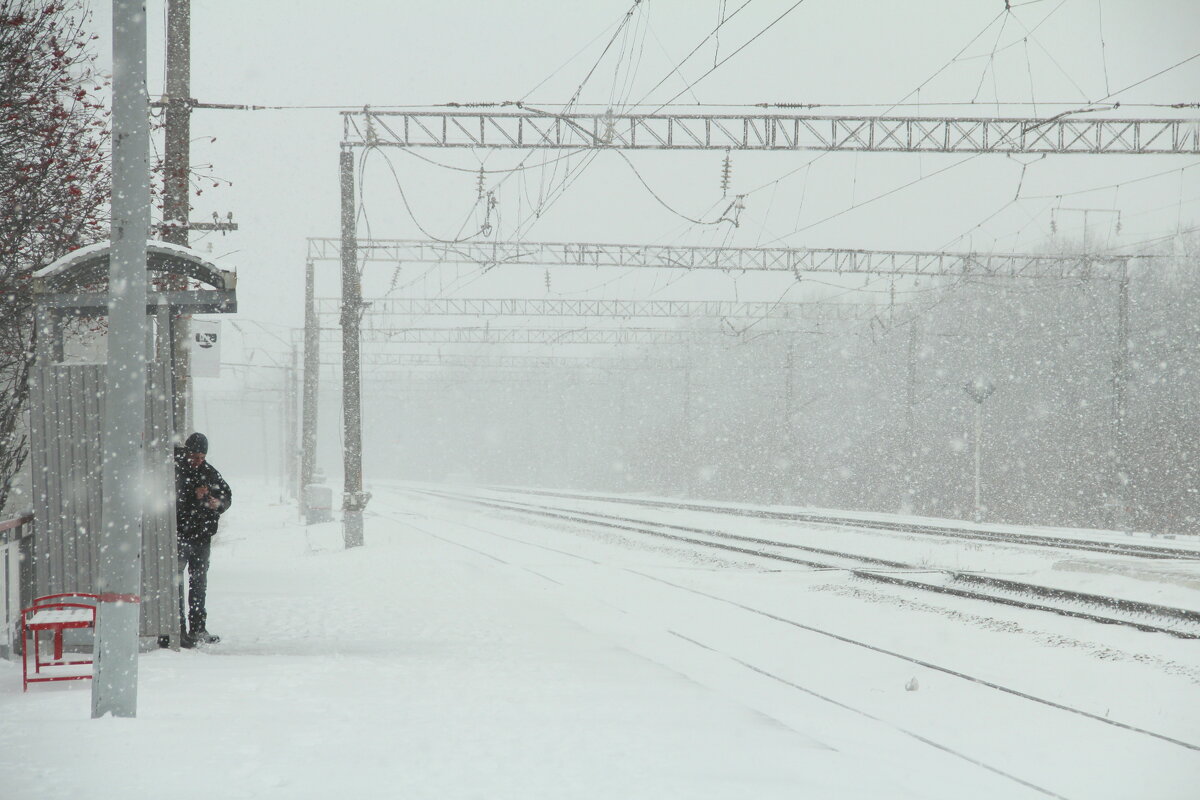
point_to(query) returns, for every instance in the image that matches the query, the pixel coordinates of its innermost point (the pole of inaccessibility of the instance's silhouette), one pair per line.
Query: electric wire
(1053, 60)
(746, 44)
(1103, 52)
(808, 164)
(675, 68)
(1150, 77)
(620, 27)
(662, 202)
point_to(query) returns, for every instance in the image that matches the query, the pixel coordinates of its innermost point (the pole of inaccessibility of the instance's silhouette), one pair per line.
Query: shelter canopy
(78, 282)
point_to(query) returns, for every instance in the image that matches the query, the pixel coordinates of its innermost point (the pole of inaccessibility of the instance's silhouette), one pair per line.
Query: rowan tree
(54, 179)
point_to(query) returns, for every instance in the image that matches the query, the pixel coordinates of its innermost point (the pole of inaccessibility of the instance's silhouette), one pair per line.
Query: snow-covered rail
(1136, 549)
(1150, 617)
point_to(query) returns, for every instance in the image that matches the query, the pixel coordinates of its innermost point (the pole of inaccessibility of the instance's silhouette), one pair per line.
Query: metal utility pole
(1121, 504)
(979, 389)
(353, 497)
(312, 367)
(176, 207)
(1121, 518)
(792, 470)
(910, 405)
(689, 448)
(119, 582)
(290, 449)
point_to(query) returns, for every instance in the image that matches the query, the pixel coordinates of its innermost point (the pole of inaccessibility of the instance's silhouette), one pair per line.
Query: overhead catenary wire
(1053, 60)
(620, 27)
(408, 206)
(808, 164)
(1103, 51)
(1148, 78)
(662, 202)
(744, 45)
(676, 67)
(567, 180)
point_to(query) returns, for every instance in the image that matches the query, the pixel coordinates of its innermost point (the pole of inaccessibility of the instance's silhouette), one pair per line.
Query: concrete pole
(787, 491)
(291, 448)
(978, 451)
(119, 581)
(910, 423)
(979, 390)
(312, 367)
(1122, 518)
(177, 136)
(353, 498)
(283, 423)
(688, 449)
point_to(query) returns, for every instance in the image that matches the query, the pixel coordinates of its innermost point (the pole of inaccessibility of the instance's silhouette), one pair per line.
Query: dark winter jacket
(194, 519)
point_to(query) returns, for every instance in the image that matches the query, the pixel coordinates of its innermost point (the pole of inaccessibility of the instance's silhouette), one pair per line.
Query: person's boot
(202, 636)
(187, 641)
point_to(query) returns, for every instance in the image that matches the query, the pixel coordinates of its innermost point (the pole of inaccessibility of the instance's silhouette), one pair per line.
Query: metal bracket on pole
(355, 501)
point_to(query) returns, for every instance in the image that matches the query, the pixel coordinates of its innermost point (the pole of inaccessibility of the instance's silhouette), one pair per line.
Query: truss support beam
(550, 336)
(466, 361)
(729, 259)
(382, 308)
(526, 129)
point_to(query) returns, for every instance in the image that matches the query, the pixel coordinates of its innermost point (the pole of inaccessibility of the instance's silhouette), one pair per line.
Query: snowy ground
(470, 654)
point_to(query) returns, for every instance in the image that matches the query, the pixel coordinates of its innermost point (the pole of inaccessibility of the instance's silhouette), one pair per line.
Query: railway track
(1004, 537)
(1149, 617)
(785, 679)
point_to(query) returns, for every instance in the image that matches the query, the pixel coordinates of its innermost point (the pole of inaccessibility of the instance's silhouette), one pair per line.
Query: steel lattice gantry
(531, 129)
(540, 336)
(466, 361)
(528, 128)
(733, 259)
(377, 311)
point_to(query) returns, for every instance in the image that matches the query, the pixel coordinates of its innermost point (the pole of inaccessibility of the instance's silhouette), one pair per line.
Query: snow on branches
(54, 176)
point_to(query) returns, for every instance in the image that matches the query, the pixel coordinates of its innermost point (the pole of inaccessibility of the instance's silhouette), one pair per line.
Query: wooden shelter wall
(66, 422)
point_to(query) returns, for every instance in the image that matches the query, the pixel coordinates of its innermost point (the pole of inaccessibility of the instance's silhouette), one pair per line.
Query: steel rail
(1184, 616)
(1106, 720)
(1036, 540)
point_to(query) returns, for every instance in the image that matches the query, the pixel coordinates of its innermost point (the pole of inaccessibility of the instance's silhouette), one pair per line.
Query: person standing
(201, 497)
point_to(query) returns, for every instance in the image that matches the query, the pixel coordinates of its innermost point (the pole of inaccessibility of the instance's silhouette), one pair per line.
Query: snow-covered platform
(460, 655)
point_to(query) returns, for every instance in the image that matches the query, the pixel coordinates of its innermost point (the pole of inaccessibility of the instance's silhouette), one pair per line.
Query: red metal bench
(56, 613)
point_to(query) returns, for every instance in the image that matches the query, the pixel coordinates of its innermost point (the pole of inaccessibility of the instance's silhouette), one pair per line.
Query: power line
(662, 202)
(408, 207)
(675, 67)
(716, 66)
(1151, 77)
(621, 27)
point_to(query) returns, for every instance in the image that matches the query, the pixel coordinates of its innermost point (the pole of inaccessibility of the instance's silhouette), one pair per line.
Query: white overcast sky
(1060, 54)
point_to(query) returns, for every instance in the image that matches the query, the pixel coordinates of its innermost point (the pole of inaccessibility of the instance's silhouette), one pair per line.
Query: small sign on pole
(206, 348)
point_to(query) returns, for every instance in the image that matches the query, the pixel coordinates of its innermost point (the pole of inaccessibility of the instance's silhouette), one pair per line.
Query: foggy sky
(1061, 55)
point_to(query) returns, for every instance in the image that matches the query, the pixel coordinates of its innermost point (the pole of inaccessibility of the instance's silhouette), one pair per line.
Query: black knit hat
(196, 443)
